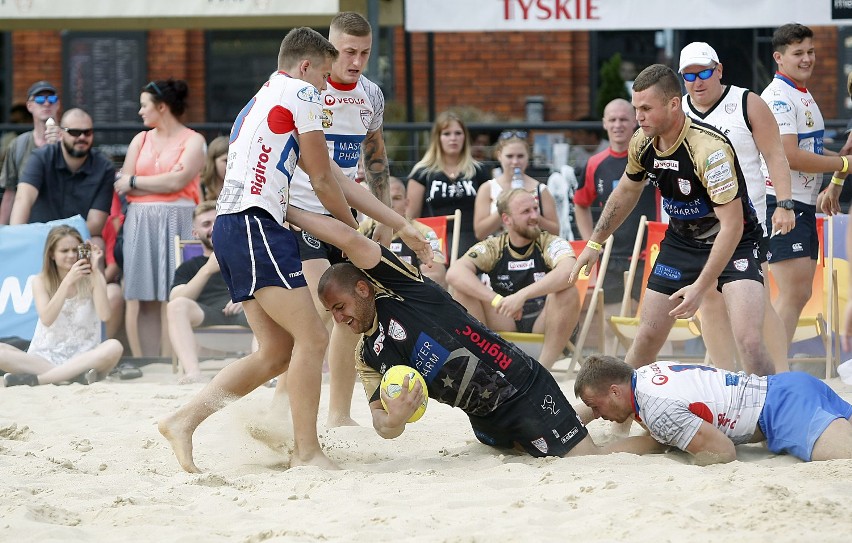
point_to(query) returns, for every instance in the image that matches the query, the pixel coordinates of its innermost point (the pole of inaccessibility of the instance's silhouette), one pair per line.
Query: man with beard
(528, 271)
(199, 296)
(67, 178)
(406, 318)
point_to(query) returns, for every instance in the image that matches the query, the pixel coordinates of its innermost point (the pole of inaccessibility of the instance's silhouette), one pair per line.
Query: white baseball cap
(699, 53)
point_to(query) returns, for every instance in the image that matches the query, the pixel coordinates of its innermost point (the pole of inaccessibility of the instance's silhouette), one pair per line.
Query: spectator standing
(160, 180)
(43, 104)
(213, 173)
(447, 178)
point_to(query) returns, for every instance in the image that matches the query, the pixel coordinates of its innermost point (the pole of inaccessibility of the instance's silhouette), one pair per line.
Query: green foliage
(612, 85)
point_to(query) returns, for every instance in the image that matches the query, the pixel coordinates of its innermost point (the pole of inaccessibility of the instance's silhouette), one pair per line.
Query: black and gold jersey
(418, 324)
(699, 172)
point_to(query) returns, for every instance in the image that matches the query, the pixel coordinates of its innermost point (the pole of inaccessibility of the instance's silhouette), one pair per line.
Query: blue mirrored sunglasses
(50, 99)
(702, 75)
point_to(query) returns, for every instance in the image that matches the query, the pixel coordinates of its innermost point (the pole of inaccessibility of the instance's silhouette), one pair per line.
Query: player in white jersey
(748, 123)
(258, 255)
(353, 113)
(793, 256)
(706, 411)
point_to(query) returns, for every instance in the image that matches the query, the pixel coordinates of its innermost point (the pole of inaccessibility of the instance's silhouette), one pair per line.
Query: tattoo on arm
(605, 220)
(376, 168)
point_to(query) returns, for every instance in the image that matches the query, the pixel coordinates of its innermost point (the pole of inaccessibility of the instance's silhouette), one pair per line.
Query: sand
(86, 463)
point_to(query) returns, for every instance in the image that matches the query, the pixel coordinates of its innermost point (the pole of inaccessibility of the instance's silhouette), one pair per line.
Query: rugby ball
(392, 385)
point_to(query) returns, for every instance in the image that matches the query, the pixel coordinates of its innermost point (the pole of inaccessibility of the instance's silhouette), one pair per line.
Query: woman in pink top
(160, 178)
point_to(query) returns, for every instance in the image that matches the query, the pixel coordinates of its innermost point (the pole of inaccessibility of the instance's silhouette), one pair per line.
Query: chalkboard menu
(103, 74)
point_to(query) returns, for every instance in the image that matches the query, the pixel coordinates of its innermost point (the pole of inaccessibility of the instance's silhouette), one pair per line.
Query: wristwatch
(785, 204)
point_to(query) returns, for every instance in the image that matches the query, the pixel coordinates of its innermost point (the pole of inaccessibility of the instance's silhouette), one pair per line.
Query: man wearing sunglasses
(747, 121)
(67, 178)
(43, 104)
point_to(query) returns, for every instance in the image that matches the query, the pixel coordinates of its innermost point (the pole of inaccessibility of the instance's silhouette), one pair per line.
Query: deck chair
(439, 225)
(223, 339)
(626, 326)
(820, 316)
(531, 343)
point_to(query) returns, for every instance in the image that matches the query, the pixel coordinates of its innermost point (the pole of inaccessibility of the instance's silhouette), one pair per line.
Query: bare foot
(180, 438)
(318, 459)
(335, 421)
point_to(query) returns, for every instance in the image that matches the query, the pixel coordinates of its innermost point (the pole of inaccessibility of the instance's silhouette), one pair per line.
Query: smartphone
(84, 251)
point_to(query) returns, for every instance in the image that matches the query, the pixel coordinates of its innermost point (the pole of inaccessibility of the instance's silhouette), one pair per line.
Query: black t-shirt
(418, 324)
(214, 294)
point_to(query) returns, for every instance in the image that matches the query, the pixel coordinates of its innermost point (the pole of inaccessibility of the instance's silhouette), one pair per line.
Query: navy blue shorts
(798, 409)
(255, 251)
(682, 260)
(538, 417)
(802, 241)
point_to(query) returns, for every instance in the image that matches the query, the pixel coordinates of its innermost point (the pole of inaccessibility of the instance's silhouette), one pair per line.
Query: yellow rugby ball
(392, 385)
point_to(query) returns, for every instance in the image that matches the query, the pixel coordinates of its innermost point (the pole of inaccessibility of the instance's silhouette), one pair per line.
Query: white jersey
(730, 116)
(673, 399)
(264, 149)
(349, 112)
(797, 113)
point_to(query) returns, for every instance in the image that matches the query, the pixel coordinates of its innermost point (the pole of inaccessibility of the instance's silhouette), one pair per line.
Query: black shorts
(532, 309)
(215, 317)
(681, 261)
(538, 417)
(802, 241)
(763, 247)
(311, 248)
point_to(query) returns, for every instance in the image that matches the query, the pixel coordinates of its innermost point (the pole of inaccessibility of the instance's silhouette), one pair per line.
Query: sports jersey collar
(687, 122)
(616, 154)
(342, 86)
(635, 401)
(786, 79)
(285, 74)
(725, 90)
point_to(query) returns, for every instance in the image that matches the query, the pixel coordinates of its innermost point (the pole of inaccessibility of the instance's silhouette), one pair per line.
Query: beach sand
(86, 463)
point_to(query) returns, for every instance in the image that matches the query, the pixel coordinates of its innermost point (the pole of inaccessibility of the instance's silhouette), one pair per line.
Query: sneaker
(90, 377)
(17, 379)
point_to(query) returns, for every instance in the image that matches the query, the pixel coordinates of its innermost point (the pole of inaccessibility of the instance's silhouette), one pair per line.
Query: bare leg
(14, 360)
(102, 358)
(747, 324)
(795, 278)
(185, 315)
(116, 305)
(772, 324)
(835, 441)
(717, 334)
(131, 324)
(557, 321)
(654, 327)
(341, 360)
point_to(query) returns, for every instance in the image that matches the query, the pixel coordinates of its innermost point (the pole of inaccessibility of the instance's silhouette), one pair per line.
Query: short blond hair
(304, 43)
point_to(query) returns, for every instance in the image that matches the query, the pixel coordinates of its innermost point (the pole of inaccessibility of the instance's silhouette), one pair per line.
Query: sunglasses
(77, 132)
(153, 86)
(702, 75)
(49, 99)
(509, 134)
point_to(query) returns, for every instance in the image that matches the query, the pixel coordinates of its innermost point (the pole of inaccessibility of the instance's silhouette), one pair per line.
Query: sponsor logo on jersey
(395, 247)
(797, 248)
(741, 264)
(472, 254)
(396, 331)
(295, 274)
(715, 191)
(809, 119)
(684, 185)
(349, 100)
(311, 241)
(309, 94)
(428, 356)
(719, 174)
(666, 164)
(327, 118)
(366, 115)
(715, 157)
(557, 248)
(502, 277)
(730, 107)
(777, 106)
(540, 444)
(521, 265)
(260, 170)
(538, 276)
(328, 99)
(658, 378)
(667, 272)
(549, 405)
(379, 342)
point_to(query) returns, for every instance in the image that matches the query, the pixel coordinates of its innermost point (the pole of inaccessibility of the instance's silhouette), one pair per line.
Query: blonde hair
(433, 160)
(217, 148)
(502, 143)
(49, 271)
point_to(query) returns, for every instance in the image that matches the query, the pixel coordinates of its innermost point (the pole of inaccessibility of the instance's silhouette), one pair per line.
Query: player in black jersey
(406, 318)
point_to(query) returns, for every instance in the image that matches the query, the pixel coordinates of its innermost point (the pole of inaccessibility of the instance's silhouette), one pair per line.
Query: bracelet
(838, 181)
(845, 164)
(496, 301)
(132, 181)
(593, 245)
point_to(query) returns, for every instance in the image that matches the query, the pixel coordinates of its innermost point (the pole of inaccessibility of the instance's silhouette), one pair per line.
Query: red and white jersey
(797, 113)
(672, 399)
(264, 147)
(349, 112)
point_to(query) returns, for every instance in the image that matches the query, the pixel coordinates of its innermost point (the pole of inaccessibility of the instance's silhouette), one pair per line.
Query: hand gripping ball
(392, 385)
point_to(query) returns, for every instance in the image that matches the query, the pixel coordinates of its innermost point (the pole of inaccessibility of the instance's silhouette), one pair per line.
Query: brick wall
(36, 55)
(496, 71)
